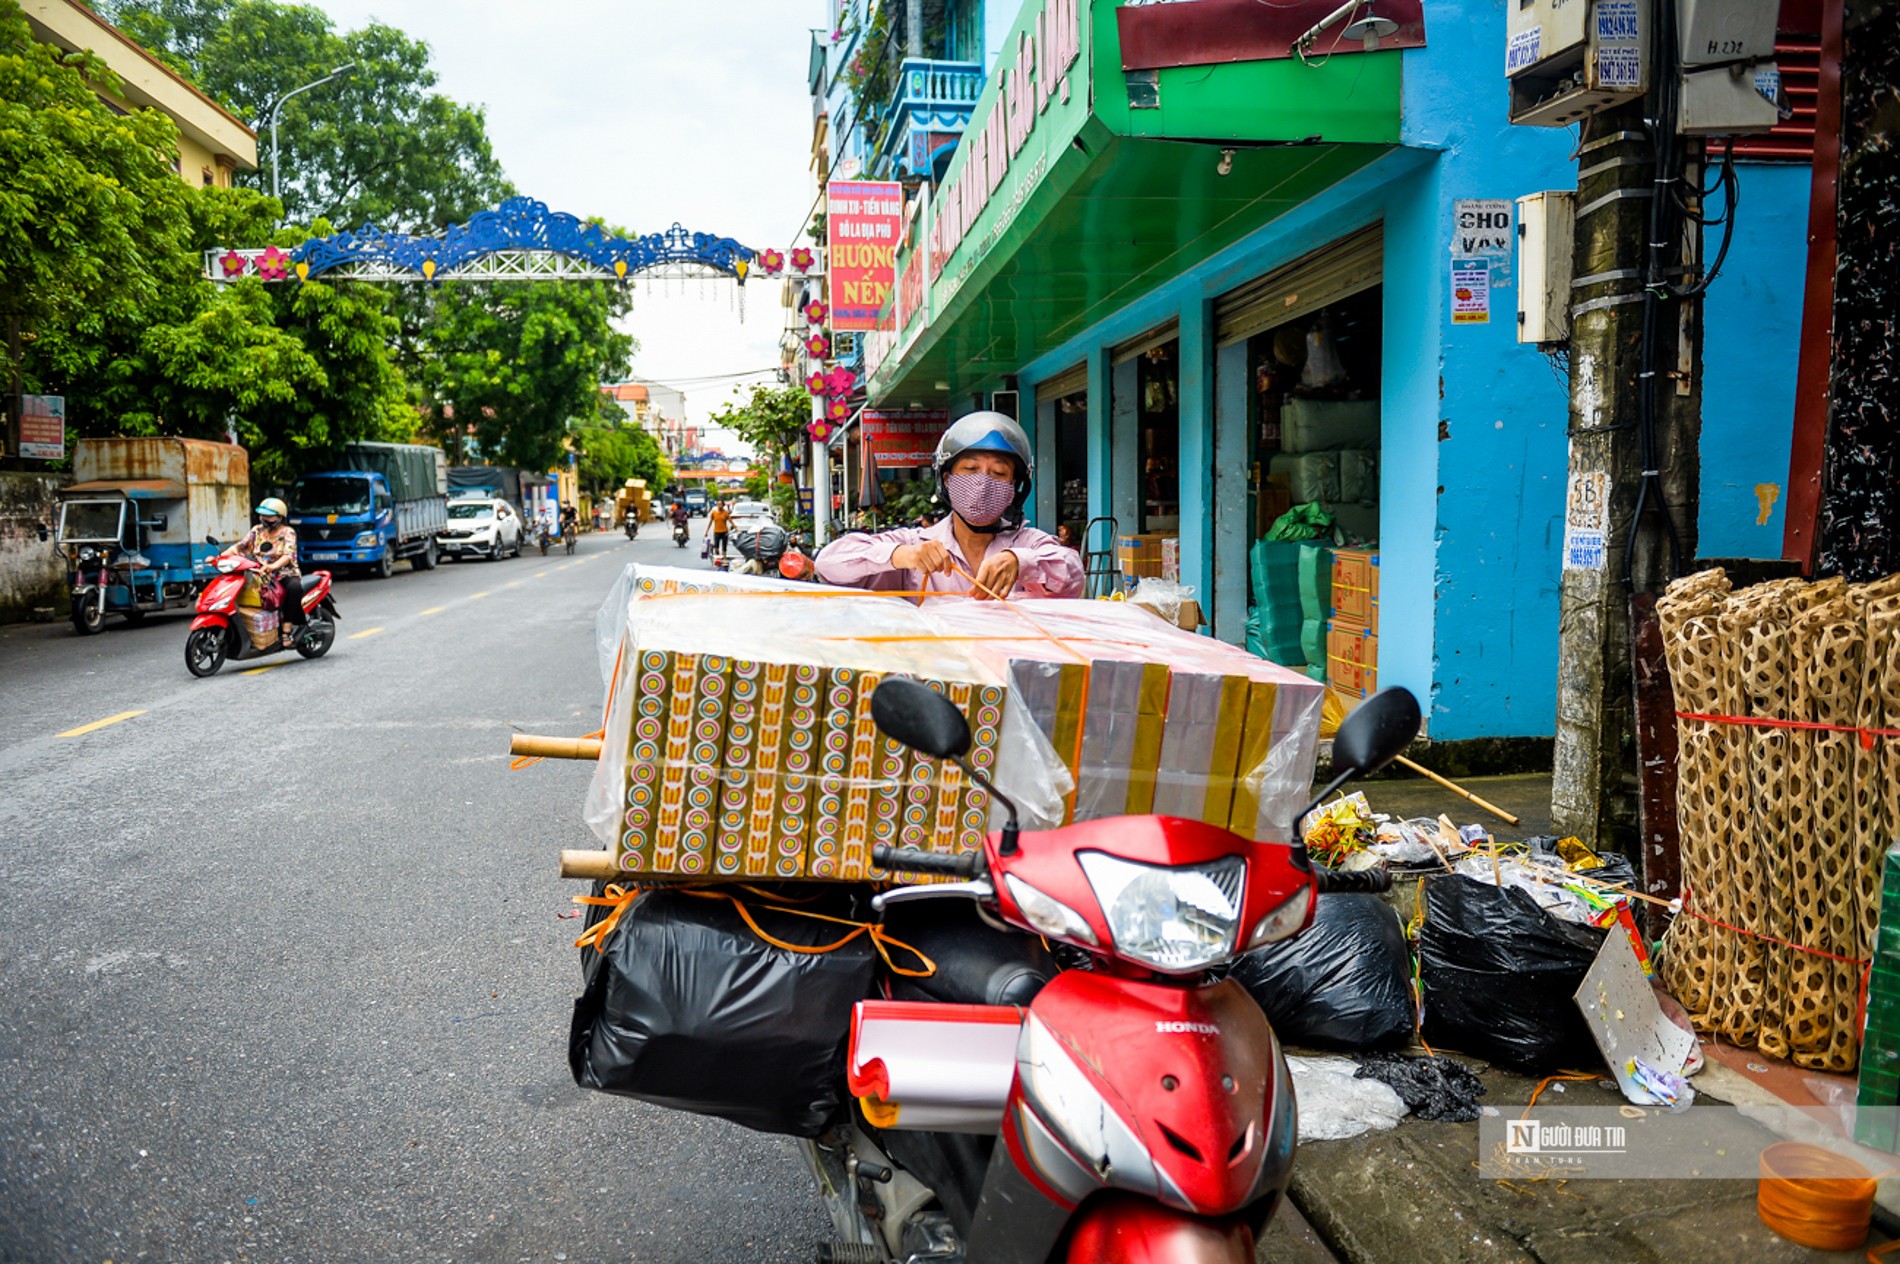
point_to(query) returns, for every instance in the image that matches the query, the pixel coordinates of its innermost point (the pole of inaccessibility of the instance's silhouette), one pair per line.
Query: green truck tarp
(414, 470)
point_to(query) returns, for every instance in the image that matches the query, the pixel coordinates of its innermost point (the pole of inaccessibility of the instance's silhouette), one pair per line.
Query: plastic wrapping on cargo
(739, 742)
(739, 739)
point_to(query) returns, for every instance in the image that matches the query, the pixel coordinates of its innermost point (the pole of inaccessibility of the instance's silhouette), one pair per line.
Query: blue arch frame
(522, 224)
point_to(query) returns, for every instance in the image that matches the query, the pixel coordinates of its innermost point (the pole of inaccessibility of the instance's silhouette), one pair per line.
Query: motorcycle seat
(976, 963)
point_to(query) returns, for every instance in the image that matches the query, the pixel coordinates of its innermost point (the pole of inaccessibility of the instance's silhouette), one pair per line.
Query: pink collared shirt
(1046, 566)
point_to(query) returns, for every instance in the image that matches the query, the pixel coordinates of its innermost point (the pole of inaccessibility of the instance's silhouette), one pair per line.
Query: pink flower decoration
(818, 347)
(273, 264)
(815, 313)
(819, 431)
(770, 261)
(802, 258)
(233, 263)
(838, 409)
(840, 382)
(817, 384)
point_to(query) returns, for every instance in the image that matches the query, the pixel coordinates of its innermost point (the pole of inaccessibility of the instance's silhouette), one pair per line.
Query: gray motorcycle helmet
(989, 432)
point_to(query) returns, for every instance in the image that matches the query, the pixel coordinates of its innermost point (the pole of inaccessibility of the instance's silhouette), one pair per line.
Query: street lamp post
(276, 108)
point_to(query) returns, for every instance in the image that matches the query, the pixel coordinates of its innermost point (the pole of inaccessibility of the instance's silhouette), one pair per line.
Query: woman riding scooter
(984, 469)
(273, 542)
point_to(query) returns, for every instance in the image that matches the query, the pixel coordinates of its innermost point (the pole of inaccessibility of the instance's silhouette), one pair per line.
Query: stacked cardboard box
(740, 740)
(1140, 554)
(1352, 634)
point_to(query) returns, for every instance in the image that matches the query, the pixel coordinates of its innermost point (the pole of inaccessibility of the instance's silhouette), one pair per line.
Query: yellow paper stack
(740, 740)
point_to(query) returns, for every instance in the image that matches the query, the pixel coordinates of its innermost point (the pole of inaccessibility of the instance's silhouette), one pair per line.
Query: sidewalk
(1414, 1193)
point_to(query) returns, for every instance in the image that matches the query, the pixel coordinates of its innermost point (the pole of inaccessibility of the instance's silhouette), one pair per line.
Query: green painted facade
(1105, 201)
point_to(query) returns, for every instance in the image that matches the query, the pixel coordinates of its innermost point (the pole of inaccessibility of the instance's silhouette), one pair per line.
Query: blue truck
(382, 503)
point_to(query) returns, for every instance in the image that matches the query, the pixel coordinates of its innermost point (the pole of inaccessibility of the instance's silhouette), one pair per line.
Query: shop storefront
(1223, 289)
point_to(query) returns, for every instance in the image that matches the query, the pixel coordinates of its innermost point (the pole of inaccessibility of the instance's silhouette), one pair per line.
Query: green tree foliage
(93, 223)
(609, 456)
(379, 146)
(772, 420)
(517, 363)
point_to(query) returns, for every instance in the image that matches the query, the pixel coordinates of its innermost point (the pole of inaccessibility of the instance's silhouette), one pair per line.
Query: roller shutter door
(1307, 284)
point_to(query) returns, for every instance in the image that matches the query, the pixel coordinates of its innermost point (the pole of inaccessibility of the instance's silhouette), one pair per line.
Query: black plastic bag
(1499, 975)
(1615, 869)
(689, 1008)
(1346, 983)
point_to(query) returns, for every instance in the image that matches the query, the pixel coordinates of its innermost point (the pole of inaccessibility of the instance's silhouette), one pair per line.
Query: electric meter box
(1567, 59)
(1546, 239)
(1712, 32)
(1729, 100)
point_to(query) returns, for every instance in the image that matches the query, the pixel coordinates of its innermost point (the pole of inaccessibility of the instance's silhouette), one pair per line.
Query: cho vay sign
(863, 219)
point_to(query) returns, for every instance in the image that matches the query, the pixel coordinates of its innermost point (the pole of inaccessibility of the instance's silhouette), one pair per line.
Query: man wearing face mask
(983, 469)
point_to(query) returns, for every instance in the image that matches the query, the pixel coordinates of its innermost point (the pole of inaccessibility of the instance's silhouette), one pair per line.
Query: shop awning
(1113, 189)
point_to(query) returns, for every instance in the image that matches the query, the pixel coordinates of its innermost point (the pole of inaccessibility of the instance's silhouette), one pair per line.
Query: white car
(481, 528)
(748, 513)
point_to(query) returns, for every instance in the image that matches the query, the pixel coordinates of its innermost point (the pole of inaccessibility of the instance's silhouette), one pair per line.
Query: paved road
(284, 970)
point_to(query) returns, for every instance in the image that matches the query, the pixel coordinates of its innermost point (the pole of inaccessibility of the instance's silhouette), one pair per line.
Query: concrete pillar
(1100, 470)
(1198, 504)
(1233, 525)
(1124, 427)
(1048, 490)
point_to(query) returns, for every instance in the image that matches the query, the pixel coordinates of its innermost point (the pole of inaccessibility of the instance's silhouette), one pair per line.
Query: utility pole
(1635, 425)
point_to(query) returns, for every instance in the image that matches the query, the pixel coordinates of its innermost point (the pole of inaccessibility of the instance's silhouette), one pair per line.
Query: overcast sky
(647, 113)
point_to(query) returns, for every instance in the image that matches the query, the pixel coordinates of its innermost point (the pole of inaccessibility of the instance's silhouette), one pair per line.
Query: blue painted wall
(1750, 343)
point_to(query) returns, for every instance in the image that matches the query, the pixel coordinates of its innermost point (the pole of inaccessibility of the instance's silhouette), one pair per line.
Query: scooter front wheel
(205, 651)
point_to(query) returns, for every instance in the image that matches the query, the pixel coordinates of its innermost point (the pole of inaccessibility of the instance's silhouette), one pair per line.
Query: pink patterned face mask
(979, 499)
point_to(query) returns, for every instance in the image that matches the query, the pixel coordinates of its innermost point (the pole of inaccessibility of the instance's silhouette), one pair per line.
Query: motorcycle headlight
(1282, 921)
(1172, 920)
(1048, 914)
(367, 539)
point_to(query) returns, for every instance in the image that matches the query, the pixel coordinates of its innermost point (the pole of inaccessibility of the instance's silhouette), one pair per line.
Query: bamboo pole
(554, 747)
(1455, 788)
(587, 864)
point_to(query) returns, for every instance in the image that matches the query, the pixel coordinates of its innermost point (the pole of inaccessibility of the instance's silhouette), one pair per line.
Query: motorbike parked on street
(1133, 1110)
(226, 629)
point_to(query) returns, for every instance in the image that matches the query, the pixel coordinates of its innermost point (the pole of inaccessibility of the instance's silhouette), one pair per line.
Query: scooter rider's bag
(688, 1007)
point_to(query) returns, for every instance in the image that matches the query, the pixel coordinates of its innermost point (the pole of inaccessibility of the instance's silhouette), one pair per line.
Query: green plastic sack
(1302, 522)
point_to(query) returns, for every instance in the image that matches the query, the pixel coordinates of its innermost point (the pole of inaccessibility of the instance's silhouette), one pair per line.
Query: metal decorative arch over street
(519, 240)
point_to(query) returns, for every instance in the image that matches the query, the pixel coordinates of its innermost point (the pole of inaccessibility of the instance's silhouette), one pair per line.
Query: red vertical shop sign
(904, 438)
(863, 221)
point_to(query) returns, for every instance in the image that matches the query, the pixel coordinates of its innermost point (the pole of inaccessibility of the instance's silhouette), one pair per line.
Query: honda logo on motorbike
(1186, 1029)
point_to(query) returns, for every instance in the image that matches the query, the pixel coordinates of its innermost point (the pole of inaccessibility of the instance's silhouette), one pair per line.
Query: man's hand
(998, 575)
(929, 557)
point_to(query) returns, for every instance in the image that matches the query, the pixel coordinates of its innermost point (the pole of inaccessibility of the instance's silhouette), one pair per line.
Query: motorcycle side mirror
(913, 713)
(1376, 733)
(212, 539)
(158, 522)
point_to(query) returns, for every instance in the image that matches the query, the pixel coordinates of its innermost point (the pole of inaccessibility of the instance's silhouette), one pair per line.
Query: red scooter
(223, 630)
(1132, 1110)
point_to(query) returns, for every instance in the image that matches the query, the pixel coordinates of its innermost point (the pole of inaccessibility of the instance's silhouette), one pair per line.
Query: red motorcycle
(226, 630)
(1134, 1109)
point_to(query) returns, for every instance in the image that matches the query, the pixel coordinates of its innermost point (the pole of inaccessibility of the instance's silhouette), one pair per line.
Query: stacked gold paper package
(740, 742)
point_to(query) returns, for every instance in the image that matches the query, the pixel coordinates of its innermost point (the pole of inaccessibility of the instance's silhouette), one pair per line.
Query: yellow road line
(357, 636)
(99, 724)
(258, 671)
(537, 575)
(433, 610)
(513, 583)
(477, 596)
(563, 566)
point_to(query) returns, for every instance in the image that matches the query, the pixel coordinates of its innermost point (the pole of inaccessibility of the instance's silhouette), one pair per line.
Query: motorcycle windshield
(90, 521)
(331, 494)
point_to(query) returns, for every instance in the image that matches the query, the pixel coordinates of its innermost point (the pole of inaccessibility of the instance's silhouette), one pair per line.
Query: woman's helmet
(271, 507)
(988, 432)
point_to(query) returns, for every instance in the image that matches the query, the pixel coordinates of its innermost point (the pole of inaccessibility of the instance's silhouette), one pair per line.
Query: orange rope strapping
(1867, 735)
(619, 899)
(524, 761)
(1548, 1080)
(1816, 1197)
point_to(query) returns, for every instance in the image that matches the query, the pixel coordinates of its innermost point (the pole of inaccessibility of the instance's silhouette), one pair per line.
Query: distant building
(212, 142)
(657, 409)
